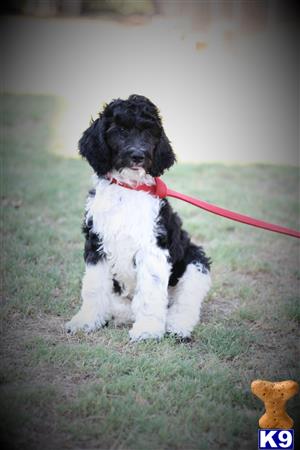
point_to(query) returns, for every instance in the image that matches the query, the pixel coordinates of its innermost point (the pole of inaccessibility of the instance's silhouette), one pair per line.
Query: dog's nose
(137, 156)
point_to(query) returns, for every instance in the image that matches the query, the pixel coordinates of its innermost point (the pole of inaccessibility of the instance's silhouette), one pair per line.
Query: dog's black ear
(93, 147)
(163, 156)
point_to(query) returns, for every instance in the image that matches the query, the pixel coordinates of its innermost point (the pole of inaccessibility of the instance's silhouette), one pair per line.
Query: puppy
(141, 266)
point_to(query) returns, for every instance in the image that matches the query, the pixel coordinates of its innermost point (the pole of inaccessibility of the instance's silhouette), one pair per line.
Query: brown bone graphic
(275, 395)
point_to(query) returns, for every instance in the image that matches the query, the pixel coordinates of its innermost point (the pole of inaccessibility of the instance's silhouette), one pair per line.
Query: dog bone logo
(275, 395)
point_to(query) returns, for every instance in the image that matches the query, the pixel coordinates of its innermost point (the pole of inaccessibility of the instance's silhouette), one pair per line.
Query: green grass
(100, 391)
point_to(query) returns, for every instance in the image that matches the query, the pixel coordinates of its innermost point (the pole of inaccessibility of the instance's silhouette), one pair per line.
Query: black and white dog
(141, 267)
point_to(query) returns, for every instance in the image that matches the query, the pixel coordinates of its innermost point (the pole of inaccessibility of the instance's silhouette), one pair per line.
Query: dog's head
(127, 136)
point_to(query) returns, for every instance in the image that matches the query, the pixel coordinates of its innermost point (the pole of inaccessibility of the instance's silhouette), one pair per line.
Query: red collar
(160, 189)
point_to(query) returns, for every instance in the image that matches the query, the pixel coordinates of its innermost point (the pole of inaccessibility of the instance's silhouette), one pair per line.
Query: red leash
(161, 190)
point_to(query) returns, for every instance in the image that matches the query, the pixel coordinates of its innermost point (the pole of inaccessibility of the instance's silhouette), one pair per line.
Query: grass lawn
(99, 391)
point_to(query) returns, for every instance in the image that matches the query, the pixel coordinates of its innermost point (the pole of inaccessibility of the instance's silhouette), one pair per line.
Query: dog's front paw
(178, 327)
(83, 321)
(147, 328)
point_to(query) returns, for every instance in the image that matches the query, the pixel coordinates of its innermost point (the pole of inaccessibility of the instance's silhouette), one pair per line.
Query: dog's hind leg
(96, 295)
(186, 299)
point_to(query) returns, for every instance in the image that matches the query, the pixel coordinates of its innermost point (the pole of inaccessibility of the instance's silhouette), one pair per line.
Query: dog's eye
(123, 131)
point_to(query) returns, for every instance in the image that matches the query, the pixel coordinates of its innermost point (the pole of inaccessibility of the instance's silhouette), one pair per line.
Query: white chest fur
(125, 220)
